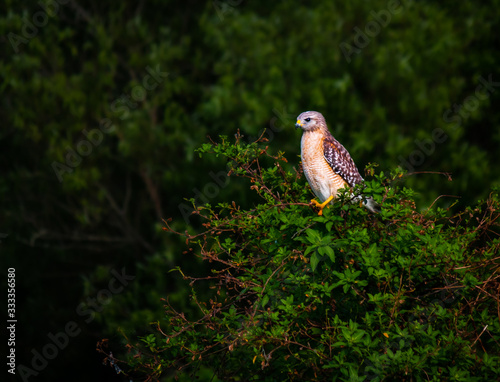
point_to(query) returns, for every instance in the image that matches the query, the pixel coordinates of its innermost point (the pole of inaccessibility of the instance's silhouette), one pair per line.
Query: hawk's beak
(298, 124)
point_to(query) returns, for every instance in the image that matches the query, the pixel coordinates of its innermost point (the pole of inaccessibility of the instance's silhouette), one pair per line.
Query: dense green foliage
(347, 296)
(103, 105)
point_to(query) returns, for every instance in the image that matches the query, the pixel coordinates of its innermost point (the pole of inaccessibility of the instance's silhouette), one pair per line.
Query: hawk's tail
(371, 205)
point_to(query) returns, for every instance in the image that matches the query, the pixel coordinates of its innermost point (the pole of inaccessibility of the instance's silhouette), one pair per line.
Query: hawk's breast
(320, 175)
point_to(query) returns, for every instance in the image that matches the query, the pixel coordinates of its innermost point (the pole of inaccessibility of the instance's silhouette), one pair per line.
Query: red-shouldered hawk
(327, 164)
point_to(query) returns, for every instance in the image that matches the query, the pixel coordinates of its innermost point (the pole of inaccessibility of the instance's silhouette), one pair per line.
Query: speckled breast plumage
(320, 175)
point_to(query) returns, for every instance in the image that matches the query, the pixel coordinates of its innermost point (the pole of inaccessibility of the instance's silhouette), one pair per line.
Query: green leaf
(265, 300)
(314, 260)
(330, 253)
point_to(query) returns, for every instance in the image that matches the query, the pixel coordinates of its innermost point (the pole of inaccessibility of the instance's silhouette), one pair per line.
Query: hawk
(327, 164)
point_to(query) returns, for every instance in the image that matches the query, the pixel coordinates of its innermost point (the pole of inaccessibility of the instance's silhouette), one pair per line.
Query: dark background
(103, 104)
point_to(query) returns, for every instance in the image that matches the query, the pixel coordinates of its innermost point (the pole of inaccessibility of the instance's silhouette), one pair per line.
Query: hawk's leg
(322, 205)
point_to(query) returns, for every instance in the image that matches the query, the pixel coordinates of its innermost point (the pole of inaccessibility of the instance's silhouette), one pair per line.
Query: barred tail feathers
(370, 204)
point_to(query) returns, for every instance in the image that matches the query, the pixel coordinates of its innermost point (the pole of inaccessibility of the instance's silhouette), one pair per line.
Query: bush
(403, 295)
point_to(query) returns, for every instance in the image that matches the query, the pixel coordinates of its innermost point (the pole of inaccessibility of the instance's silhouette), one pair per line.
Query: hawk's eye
(308, 119)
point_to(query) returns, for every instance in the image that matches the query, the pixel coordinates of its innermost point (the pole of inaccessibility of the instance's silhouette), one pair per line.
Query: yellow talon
(321, 205)
(316, 204)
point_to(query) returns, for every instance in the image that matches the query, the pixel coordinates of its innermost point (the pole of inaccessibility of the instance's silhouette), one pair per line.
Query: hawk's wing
(340, 161)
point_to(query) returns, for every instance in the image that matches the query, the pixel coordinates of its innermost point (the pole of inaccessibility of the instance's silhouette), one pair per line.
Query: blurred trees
(103, 105)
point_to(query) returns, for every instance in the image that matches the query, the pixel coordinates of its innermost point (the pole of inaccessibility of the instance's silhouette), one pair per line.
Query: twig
(480, 334)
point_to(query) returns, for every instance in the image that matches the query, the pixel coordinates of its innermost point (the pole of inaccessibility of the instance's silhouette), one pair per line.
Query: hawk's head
(310, 120)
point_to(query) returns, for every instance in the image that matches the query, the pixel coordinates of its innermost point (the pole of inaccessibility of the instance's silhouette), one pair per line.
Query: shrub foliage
(403, 295)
